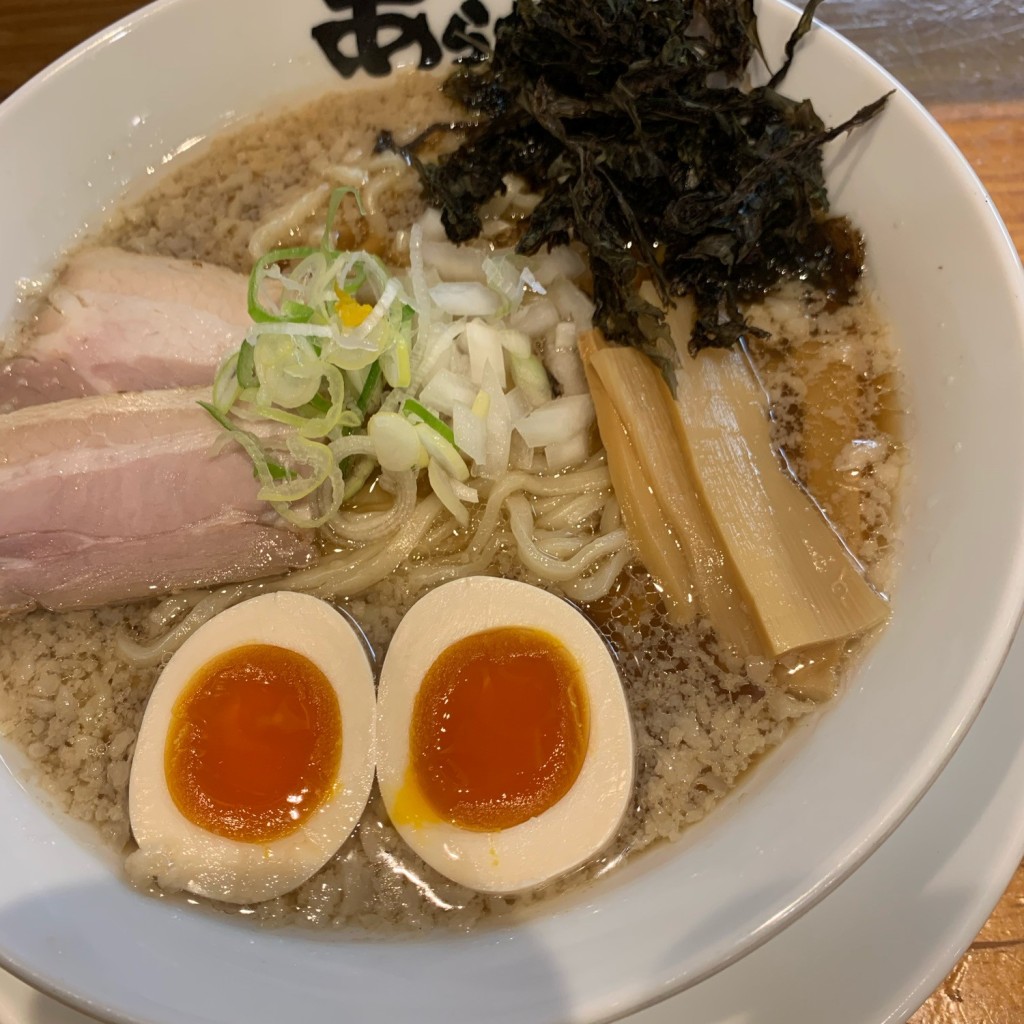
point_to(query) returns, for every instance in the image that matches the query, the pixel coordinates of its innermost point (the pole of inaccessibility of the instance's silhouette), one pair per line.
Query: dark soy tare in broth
(702, 714)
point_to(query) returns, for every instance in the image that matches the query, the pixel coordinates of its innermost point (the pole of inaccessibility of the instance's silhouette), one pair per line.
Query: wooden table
(965, 60)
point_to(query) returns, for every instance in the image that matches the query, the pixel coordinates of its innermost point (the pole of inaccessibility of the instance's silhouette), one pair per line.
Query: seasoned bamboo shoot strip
(803, 585)
(643, 402)
(813, 677)
(645, 522)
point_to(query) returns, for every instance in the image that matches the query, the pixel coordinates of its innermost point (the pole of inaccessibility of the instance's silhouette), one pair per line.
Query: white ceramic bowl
(143, 92)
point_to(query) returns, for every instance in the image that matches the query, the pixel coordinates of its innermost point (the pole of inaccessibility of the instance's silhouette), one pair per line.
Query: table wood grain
(987, 986)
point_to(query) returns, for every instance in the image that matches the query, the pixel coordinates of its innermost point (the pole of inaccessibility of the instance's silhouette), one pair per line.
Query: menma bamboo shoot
(803, 585)
(645, 522)
(644, 405)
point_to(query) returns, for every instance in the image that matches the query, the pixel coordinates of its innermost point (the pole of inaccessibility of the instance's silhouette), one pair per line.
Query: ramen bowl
(128, 103)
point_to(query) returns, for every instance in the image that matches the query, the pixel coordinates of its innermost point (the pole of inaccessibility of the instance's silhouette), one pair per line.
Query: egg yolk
(499, 728)
(254, 743)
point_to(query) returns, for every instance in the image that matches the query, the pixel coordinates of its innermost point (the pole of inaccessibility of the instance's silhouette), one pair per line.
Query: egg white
(579, 825)
(180, 854)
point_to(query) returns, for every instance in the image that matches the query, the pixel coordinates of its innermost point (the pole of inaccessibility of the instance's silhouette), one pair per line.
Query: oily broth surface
(208, 208)
(701, 717)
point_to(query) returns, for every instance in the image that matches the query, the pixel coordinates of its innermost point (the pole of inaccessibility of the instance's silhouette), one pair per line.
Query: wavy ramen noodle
(72, 701)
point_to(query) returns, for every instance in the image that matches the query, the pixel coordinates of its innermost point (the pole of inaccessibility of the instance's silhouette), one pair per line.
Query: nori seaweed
(630, 118)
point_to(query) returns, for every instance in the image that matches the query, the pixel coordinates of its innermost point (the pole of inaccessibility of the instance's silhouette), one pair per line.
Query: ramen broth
(701, 716)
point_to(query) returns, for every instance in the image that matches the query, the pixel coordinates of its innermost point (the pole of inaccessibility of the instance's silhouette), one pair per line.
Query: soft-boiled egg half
(505, 752)
(257, 750)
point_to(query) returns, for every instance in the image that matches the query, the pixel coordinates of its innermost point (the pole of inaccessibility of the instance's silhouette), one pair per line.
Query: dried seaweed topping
(631, 120)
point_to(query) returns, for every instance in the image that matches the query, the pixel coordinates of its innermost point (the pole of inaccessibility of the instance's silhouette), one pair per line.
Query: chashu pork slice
(119, 321)
(116, 497)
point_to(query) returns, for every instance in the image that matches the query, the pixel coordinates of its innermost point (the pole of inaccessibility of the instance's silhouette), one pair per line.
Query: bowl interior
(121, 108)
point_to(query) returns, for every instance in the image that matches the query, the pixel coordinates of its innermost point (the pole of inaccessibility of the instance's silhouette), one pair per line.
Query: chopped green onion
(320, 404)
(354, 279)
(259, 272)
(333, 205)
(315, 426)
(276, 470)
(338, 374)
(226, 389)
(411, 406)
(443, 451)
(361, 468)
(250, 445)
(246, 369)
(297, 311)
(304, 451)
(370, 388)
(218, 416)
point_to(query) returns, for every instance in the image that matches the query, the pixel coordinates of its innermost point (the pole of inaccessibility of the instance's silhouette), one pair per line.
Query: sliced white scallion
(557, 421)
(499, 427)
(351, 369)
(470, 432)
(510, 280)
(442, 451)
(395, 442)
(518, 404)
(465, 493)
(502, 275)
(453, 262)
(418, 278)
(445, 390)
(531, 378)
(297, 330)
(395, 360)
(433, 350)
(467, 298)
(441, 485)
(562, 356)
(520, 454)
(516, 343)
(481, 404)
(572, 303)
(573, 451)
(351, 444)
(485, 349)
(560, 262)
(535, 318)
(288, 368)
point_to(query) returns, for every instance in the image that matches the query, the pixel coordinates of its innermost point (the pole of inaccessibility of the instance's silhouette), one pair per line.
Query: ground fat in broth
(701, 717)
